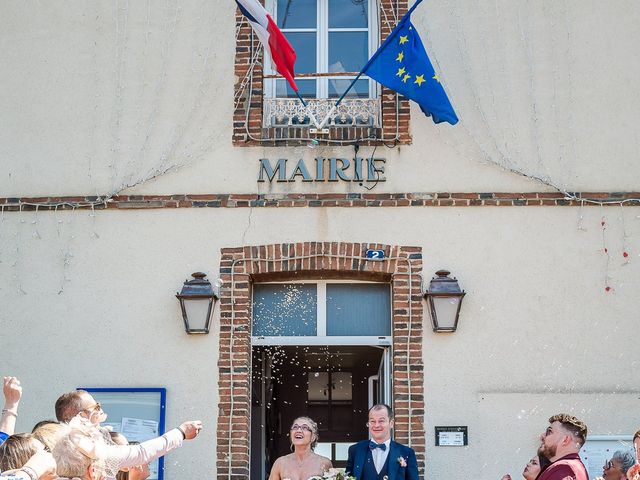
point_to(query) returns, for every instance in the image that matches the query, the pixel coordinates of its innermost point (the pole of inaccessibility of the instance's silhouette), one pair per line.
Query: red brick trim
(240, 265)
(243, 200)
(248, 95)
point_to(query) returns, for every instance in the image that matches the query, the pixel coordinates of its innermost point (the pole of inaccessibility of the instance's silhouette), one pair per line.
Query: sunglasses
(94, 408)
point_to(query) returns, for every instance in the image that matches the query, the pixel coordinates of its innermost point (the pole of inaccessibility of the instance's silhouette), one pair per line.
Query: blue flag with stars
(401, 64)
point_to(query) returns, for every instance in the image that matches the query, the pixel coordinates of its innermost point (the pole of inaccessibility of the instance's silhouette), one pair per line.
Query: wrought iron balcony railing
(321, 113)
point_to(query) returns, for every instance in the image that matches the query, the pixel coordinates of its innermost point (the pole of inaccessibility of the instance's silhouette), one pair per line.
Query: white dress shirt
(380, 456)
(119, 456)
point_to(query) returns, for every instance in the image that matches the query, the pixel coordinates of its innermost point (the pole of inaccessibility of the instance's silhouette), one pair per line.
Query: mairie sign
(323, 170)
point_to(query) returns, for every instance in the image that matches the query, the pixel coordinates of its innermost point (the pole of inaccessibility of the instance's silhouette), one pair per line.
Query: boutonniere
(402, 461)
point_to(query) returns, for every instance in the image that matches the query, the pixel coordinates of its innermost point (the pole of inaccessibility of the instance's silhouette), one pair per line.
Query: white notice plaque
(452, 436)
(451, 439)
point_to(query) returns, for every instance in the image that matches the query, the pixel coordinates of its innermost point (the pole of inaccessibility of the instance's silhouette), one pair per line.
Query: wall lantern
(445, 298)
(197, 300)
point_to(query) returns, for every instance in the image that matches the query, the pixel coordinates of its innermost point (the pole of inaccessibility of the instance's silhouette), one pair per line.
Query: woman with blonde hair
(80, 453)
(23, 454)
(48, 434)
(303, 463)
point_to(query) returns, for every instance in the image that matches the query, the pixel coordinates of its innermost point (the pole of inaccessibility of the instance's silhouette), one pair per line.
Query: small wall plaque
(452, 436)
(374, 254)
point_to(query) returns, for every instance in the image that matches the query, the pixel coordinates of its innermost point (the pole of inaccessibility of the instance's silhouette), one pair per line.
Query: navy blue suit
(359, 452)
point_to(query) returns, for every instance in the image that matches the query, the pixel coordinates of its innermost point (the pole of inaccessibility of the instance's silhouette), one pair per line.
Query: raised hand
(191, 429)
(12, 392)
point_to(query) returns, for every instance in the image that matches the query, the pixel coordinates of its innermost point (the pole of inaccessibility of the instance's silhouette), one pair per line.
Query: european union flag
(401, 64)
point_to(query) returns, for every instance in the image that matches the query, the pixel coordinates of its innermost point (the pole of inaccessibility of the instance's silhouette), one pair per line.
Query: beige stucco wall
(538, 334)
(99, 95)
(96, 96)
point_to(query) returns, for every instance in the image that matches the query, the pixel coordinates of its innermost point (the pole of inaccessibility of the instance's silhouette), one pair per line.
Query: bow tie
(374, 445)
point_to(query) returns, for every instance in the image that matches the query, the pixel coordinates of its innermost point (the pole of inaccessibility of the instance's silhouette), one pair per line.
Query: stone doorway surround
(241, 266)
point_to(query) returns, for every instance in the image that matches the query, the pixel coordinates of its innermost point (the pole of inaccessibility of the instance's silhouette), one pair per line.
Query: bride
(303, 463)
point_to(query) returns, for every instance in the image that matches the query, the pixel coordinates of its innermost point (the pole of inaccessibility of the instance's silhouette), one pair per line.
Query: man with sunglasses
(79, 402)
(560, 444)
(380, 457)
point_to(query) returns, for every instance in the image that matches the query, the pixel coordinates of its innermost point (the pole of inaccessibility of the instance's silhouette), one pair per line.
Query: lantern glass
(198, 313)
(446, 309)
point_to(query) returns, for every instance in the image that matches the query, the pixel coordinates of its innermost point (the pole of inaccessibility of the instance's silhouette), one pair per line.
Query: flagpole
(300, 98)
(351, 86)
(375, 55)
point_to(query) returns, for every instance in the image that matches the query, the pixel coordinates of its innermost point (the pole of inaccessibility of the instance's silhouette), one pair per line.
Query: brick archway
(240, 266)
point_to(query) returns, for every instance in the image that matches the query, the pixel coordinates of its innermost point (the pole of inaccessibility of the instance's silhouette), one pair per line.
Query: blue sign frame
(161, 413)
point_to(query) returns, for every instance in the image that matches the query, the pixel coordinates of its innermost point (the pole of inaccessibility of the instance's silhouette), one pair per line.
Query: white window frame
(322, 48)
(321, 314)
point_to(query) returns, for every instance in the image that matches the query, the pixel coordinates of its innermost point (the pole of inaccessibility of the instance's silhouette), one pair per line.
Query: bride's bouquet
(634, 472)
(333, 474)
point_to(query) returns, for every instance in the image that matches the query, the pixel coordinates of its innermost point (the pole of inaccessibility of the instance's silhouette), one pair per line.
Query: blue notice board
(137, 413)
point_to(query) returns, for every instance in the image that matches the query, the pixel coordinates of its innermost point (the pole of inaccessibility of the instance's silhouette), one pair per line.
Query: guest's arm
(41, 466)
(12, 393)
(134, 455)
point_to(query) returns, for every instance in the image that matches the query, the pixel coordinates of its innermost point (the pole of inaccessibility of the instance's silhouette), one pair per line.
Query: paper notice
(138, 429)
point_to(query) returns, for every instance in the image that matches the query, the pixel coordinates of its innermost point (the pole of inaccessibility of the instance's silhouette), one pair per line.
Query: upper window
(333, 38)
(321, 309)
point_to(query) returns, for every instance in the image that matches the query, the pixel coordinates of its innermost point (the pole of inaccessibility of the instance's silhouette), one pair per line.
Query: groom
(380, 458)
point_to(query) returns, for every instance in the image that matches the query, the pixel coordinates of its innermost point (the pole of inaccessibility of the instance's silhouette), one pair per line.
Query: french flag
(282, 53)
